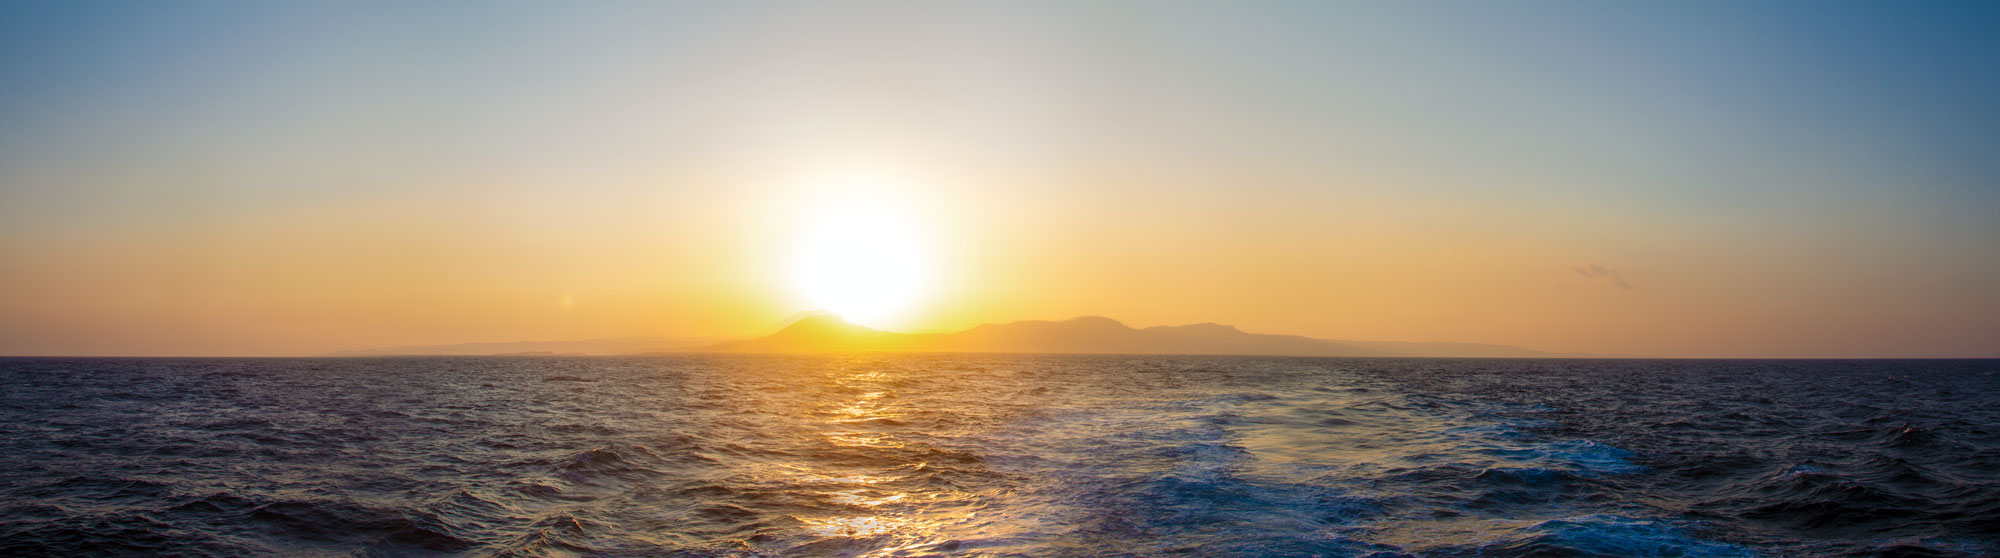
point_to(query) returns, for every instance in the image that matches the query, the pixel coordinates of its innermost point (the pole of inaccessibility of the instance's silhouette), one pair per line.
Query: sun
(862, 257)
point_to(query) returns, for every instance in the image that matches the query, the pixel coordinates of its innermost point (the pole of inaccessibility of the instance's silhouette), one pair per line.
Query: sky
(1676, 179)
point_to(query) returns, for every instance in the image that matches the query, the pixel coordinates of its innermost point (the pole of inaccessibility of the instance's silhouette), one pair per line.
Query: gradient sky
(1766, 179)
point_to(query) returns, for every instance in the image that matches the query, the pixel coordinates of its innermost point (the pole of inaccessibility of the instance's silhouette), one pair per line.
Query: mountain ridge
(823, 333)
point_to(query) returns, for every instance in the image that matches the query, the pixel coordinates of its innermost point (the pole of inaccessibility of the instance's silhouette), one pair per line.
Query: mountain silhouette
(822, 333)
(819, 333)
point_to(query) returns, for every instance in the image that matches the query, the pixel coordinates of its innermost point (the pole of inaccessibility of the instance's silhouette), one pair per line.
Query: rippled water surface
(998, 455)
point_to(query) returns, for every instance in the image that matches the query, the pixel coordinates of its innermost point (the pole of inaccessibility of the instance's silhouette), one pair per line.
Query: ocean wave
(997, 455)
(1600, 535)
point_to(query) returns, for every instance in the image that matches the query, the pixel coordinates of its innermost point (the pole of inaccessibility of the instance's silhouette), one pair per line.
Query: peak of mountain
(816, 333)
(1088, 334)
(794, 318)
(823, 322)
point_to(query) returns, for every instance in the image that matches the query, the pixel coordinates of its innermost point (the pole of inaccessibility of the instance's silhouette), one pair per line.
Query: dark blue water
(997, 455)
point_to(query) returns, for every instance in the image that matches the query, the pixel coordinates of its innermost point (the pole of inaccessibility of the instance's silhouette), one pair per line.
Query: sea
(998, 455)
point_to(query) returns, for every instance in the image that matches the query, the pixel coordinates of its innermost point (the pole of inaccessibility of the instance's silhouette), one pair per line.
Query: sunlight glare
(861, 257)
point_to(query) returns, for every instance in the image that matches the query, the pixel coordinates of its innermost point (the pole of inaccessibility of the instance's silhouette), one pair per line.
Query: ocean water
(997, 455)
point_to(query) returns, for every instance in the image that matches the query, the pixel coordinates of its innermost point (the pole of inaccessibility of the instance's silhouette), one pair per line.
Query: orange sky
(1353, 173)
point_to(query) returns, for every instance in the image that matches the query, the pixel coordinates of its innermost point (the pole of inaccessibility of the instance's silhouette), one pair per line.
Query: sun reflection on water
(856, 527)
(872, 502)
(862, 498)
(863, 440)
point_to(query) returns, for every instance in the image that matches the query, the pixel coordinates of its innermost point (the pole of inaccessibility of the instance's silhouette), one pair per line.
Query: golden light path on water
(853, 424)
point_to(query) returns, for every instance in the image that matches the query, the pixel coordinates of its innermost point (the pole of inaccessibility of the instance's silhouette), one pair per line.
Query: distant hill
(612, 346)
(821, 333)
